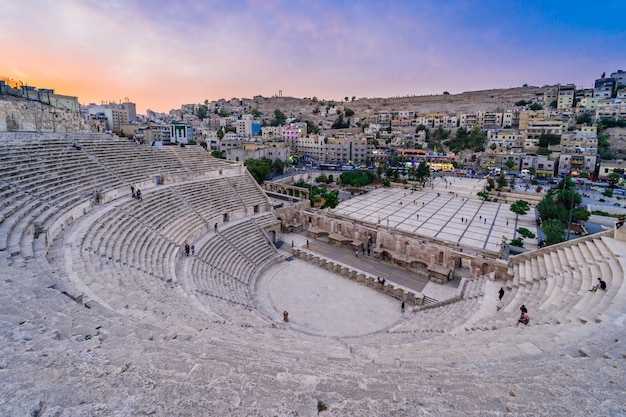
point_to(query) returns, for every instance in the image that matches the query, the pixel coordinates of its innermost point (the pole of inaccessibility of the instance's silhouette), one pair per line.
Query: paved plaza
(323, 303)
(447, 209)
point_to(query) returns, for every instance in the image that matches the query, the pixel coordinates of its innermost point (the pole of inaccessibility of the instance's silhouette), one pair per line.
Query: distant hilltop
(466, 102)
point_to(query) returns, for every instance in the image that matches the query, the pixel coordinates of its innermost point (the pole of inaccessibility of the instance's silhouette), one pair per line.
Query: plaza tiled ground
(447, 209)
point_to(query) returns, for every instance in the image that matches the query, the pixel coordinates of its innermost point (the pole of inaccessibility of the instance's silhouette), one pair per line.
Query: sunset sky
(161, 54)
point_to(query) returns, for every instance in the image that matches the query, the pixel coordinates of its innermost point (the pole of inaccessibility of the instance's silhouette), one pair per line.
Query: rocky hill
(467, 102)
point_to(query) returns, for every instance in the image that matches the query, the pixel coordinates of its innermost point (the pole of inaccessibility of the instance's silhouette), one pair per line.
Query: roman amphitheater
(103, 314)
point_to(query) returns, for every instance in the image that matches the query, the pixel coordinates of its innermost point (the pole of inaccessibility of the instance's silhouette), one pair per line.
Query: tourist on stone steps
(186, 249)
(501, 293)
(523, 318)
(193, 250)
(601, 285)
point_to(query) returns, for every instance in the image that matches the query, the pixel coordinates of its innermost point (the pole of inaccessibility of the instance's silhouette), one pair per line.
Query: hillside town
(545, 132)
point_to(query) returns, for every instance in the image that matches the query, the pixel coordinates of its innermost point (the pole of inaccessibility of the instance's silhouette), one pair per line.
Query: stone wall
(411, 297)
(32, 116)
(434, 258)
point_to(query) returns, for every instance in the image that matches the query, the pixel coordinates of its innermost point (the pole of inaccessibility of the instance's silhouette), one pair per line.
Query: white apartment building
(335, 150)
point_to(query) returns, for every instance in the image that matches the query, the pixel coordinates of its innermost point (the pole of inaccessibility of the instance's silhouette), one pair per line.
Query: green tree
(255, 112)
(547, 139)
(279, 118)
(525, 233)
(278, 165)
(217, 154)
(357, 178)
(583, 119)
(259, 168)
(519, 242)
(493, 147)
(553, 229)
(521, 103)
(220, 133)
(501, 181)
(201, 112)
(520, 208)
(322, 178)
(510, 163)
(483, 194)
(223, 112)
(613, 179)
(535, 106)
(348, 112)
(422, 172)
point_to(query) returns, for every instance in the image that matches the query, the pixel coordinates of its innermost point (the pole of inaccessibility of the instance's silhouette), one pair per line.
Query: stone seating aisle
(195, 158)
(249, 192)
(447, 317)
(209, 198)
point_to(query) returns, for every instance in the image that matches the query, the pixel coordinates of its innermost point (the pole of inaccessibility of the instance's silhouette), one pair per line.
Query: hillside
(467, 102)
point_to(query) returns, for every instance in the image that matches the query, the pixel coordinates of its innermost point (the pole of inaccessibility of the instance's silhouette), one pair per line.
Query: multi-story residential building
(117, 115)
(611, 108)
(335, 150)
(510, 119)
(543, 165)
(489, 120)
(576, 163)
(565, 98)
(620, 77)
(539, 127)
(609, 166)
(468, 120)
(551, 95)
(588, 103)
(384, 117)
(271, 132)
(243, 126)
(585, 139)
(603, 88)
(527, 116)
(156, 134)
(507, 140)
